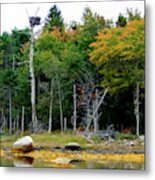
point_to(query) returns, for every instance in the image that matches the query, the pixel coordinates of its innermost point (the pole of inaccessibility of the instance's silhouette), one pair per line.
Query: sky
(15, 15)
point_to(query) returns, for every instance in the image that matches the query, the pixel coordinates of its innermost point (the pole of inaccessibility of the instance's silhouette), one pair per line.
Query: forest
(76, 77)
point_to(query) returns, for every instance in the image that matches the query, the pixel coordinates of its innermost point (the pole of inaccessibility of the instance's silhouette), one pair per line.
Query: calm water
(31, 162)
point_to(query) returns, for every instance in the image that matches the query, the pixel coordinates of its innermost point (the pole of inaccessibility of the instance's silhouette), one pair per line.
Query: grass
(121, 136)
(45, 140)
(96, 139)
(57, 139)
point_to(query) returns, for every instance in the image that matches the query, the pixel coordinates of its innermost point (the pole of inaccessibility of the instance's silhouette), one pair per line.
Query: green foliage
(96, 139)
(92, 23)
(119, 54)
(121, 136)
(54, 19)
(122, 21)
(133, 14)
(61, 56)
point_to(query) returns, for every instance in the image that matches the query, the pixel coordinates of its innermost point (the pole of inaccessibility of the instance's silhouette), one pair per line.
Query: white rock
(62, 160)
(24, 144)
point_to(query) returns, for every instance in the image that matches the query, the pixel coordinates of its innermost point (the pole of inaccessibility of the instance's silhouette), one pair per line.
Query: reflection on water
(23, 161)
(30, 162)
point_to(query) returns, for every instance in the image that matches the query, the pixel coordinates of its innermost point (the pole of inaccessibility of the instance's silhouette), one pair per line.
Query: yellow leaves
(59, 159)
(52, 156)
(122, 46)
(2, 153)
(125, 157)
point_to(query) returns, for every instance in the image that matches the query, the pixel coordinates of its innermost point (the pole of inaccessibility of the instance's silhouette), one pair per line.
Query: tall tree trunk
(17, 119)
(50, 107)
(3, 121)
(65, 124)
(60, 106)
(10, 111)
(136, 109)
(22, 120)
(96, 115)
(5, 125)
(33, 90)
(88, 114)
(96, 109)
(74, 102)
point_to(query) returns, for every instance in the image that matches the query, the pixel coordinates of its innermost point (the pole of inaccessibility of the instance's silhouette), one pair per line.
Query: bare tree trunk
(14, 125)
(22, 120)
(65, 124)
(17, 119)
(10, 111)
(100, 102)
(97, 108)
(60, 106)
(136, 110)
(74, 102)
(88, 114)
(32, 76)
(50, 107)
(4, 122)
(96, 115)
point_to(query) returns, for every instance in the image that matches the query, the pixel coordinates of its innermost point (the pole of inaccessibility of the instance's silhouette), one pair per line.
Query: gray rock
(24, 144)
(73, 146)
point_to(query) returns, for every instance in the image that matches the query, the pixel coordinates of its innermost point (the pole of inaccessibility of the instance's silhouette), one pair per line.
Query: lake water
(38, 163)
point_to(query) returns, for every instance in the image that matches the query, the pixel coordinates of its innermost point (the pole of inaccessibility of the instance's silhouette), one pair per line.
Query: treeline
(88, 75)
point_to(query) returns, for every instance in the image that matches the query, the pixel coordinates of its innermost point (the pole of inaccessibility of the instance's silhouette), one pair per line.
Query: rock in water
(24, 144)
(62, 160)
(73, 146)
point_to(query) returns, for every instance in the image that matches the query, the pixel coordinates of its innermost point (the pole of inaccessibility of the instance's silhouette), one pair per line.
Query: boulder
(24, 144)
(73, 146)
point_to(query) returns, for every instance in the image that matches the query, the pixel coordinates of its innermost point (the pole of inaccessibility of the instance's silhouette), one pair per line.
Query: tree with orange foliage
(119, 55)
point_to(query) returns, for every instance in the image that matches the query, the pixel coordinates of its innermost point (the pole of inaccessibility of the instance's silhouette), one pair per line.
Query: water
(38, 163)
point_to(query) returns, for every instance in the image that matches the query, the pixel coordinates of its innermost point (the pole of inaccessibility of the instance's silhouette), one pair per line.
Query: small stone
(62, 161)
(76, 161)
(132, 143)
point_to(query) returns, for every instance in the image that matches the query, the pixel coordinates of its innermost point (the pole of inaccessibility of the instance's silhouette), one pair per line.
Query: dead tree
(33, 22)
(136, 109)
(74, 102)
(95, 116)
(22, 119)
(65, 124)
(10, 111)
(60, 103)
(50, 106)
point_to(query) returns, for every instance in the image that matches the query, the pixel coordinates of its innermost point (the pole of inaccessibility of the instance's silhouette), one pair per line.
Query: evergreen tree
(122, 21)
(54, 19)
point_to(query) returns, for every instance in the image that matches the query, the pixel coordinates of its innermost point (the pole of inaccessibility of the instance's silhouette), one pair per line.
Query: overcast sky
(14, 15)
